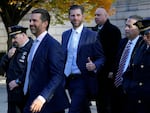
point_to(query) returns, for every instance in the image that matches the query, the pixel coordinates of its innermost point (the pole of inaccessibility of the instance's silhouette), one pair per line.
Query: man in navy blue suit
(136, 82)
(44, 82)
(84, 57)
(133, 38)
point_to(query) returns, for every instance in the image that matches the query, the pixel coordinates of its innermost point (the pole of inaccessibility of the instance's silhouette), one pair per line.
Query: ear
(23, 34)
(83, 16)
(45, 24)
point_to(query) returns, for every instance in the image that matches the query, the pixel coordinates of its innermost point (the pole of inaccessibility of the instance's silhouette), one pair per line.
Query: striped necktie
(118, 78)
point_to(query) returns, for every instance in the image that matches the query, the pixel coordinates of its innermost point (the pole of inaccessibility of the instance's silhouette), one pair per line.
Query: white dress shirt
(71, 66)
(134, 41)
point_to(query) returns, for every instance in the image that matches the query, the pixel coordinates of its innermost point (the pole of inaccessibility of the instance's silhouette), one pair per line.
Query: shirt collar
(147, 46)
(100, 27)
(24, 43)
(41, 36)
(79, 29)
(135, 39)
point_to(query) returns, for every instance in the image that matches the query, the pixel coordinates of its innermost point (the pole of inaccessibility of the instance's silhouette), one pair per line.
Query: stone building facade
(124, 8)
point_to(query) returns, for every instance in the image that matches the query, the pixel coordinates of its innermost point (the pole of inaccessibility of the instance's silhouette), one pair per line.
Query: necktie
(71, 47)
(118, 78)
(30, 57)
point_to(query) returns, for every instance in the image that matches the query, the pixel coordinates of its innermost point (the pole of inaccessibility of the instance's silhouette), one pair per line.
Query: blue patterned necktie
(30, 57)
(71, 47)
(118, 78)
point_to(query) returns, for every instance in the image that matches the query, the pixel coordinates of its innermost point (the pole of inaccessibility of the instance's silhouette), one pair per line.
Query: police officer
(14, 63)
(137, 79)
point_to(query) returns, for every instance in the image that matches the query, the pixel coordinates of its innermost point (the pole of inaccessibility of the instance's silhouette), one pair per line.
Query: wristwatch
(18, 81)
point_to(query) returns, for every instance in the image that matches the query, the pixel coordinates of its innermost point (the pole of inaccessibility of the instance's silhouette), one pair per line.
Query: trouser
(103, 104)
(15, 107)
(78, 94)
(60, 112)
(104, 97)
(119, 100)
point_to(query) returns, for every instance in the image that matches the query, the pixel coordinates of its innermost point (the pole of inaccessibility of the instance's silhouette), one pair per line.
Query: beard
(33, 30)
(76, 24)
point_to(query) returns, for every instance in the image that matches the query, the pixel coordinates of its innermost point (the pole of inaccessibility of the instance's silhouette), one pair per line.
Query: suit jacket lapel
(137, 45)
(67, 38)
(139, 41)
(41, 46)
(122, 46)
(82, 38)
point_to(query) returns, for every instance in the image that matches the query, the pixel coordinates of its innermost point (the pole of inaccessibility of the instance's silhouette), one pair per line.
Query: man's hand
(110, 75)
(90, 66)
(11, 52)
(36, 105)
(12, 85)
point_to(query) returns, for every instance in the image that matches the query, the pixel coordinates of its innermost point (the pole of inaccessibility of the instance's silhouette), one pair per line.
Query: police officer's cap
(13, 30)
(143, 25)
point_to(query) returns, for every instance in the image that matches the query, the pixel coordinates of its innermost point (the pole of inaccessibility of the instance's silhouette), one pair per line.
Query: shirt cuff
(41, 98)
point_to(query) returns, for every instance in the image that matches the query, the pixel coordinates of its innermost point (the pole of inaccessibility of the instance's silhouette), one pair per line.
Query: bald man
(109, 35)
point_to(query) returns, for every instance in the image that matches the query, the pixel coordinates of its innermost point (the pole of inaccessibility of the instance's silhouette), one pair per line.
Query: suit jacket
(137, 81)
(122, 45)
(110, 37)
(14, 69)
(46, 76)
(88, 46)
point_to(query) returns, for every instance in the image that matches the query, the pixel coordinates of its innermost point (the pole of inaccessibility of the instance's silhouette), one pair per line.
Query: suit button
(140, 83)
(132, 65)
(139, 101)
(142, 66)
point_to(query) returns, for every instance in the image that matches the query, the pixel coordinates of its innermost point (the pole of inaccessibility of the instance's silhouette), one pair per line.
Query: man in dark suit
(13, 63)
(84, 57)
(136, 81)
(126, 51)
(44, 82)
(109, 35)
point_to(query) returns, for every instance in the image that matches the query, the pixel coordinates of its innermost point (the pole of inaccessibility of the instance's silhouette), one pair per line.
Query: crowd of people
(90, 63)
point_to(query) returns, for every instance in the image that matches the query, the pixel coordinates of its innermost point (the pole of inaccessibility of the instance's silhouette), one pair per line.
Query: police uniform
(137, 79)
(14, 68)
